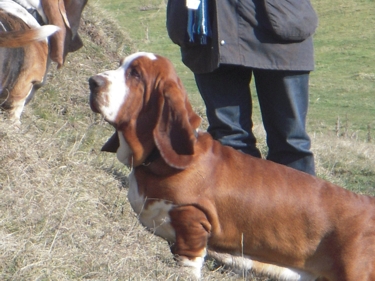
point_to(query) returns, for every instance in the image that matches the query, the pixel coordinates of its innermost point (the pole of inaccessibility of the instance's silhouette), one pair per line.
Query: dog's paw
(192, 266)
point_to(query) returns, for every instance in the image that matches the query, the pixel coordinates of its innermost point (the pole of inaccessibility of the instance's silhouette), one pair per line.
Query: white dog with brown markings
(32, 33)
(206, 198)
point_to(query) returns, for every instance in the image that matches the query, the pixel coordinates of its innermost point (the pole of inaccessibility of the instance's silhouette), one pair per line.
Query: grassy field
(63, 209)
(344, 81)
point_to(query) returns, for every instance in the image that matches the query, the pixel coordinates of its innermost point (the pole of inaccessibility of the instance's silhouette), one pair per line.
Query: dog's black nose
(97, 83)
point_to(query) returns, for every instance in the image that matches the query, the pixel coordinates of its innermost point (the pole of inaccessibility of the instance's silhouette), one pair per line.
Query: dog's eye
(135, 73)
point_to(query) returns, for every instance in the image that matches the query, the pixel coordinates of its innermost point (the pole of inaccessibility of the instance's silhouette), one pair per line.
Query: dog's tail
(14, 39)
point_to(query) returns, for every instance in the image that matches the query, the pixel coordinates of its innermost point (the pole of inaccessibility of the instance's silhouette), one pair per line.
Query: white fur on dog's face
(115, 94)
(117, 90)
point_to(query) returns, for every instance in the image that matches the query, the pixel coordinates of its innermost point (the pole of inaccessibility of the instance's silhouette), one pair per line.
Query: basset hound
(208, 199)
(32, 33)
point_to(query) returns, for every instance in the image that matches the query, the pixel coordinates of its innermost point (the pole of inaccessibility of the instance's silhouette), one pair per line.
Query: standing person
(226, 43)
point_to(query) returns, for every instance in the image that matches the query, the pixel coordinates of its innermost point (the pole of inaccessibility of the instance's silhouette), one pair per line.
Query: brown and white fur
(26, 47)
(206, 198)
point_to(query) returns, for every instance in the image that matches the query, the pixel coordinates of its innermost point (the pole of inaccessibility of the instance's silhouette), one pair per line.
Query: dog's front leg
(192, 231)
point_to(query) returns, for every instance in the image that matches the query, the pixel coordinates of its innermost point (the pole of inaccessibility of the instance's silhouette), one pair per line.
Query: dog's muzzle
(98, 84)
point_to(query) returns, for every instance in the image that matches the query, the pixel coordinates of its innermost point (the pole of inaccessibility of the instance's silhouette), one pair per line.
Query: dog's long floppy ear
(56, 15)
(66, 14)
(112, 144)
(175, 131)
(72, 17)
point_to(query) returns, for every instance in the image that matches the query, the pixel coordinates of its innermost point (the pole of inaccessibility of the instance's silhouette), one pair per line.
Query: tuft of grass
(349, 163)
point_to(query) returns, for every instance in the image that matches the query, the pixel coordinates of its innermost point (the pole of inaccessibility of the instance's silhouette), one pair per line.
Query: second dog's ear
(54, 11)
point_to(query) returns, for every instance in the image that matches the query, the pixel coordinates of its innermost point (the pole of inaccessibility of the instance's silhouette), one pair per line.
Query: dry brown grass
(63, 209)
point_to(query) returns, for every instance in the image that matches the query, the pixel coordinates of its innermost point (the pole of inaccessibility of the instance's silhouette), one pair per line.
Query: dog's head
(146, 103)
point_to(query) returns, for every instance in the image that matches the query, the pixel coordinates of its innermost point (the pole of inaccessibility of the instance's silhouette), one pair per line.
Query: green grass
(344, 80)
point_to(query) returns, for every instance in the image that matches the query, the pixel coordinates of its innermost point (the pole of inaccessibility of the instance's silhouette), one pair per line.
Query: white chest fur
(123, 152)
(154, 215)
